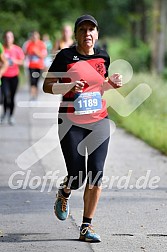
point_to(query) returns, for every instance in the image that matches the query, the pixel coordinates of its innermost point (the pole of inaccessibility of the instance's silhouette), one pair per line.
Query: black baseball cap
(85, 18)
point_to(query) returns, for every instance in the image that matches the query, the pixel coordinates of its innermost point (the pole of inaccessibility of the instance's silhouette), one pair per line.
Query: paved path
(128, 220)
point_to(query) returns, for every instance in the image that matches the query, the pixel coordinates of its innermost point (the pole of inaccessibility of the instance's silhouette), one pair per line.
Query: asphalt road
(132, 212)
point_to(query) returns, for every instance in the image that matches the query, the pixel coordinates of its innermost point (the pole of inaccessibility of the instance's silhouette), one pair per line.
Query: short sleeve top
(91, 68)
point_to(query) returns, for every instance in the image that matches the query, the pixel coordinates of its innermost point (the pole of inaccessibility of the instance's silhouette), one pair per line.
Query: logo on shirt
(75, 58)
(100, 68)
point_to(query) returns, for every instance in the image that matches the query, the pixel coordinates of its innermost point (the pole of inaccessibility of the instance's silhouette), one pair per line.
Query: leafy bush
(149, 120)
(139, 57)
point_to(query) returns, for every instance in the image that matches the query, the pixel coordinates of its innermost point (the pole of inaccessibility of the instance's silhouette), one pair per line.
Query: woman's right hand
(79, 86)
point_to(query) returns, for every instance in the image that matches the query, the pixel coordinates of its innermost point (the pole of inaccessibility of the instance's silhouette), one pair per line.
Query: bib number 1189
(87, 103)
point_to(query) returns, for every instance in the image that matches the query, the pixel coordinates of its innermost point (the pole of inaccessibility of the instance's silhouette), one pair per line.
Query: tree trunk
(139, 22)
(159, 35)
(133, 25)
(143, 21)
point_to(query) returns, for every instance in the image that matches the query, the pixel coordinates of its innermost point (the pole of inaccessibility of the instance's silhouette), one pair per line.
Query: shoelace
(63, 202)
(85, 229)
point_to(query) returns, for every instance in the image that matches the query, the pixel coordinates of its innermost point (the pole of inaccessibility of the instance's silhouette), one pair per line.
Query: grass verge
(149, 120)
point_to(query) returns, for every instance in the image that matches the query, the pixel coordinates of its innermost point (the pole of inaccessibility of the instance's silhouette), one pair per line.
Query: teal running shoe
(61, 207)
(87, 234)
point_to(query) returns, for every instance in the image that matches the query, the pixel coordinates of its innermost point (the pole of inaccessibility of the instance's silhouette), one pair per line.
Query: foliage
(24, 16)
(47, 16)
(148, 121)
(20, 25)
(139, 57)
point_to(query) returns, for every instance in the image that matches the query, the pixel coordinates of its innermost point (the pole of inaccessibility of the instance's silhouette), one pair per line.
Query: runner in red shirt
(15, 56)
(83, 123)
(36, 50)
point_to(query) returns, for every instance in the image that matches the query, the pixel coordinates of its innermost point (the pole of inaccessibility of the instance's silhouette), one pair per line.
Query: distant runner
(10, 79)
(36, 51)
(66, 39)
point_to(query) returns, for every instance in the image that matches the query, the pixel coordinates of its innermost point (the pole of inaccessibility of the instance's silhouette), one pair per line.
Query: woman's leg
(75, 162)
(6, 94)
(97, 144)
(91, 198)
(13, 88)
(34, 79)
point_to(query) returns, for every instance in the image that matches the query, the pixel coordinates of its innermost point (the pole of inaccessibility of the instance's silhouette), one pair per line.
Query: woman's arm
(3, 65)
(56, 47)
(52, 86)
(19, 57)
(18, 62)
(40, 53)
(115, 81)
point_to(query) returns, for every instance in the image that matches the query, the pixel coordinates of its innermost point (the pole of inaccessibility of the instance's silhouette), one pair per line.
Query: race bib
(34, 58)
(87, 103)
(10, 62)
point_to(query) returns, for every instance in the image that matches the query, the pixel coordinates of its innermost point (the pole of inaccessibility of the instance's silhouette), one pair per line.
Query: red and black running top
(91, 68)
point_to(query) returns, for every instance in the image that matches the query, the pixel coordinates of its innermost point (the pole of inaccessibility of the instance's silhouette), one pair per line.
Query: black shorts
(34, 76)
(84, 149)
(1, 95)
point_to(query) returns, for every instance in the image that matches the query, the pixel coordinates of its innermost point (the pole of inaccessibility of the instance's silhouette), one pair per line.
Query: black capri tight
(34, 74)
(93, 139)
(9, 88)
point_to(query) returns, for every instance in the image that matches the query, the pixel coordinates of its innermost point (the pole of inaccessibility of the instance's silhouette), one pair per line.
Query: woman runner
(84, 129)
(10, 79)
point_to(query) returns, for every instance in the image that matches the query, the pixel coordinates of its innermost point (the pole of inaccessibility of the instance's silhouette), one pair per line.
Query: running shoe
(87, 234)
(3, 119)
(11, 120)
(61, 207)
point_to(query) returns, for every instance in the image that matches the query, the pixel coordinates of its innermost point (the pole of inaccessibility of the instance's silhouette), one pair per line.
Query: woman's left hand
(115, 80)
